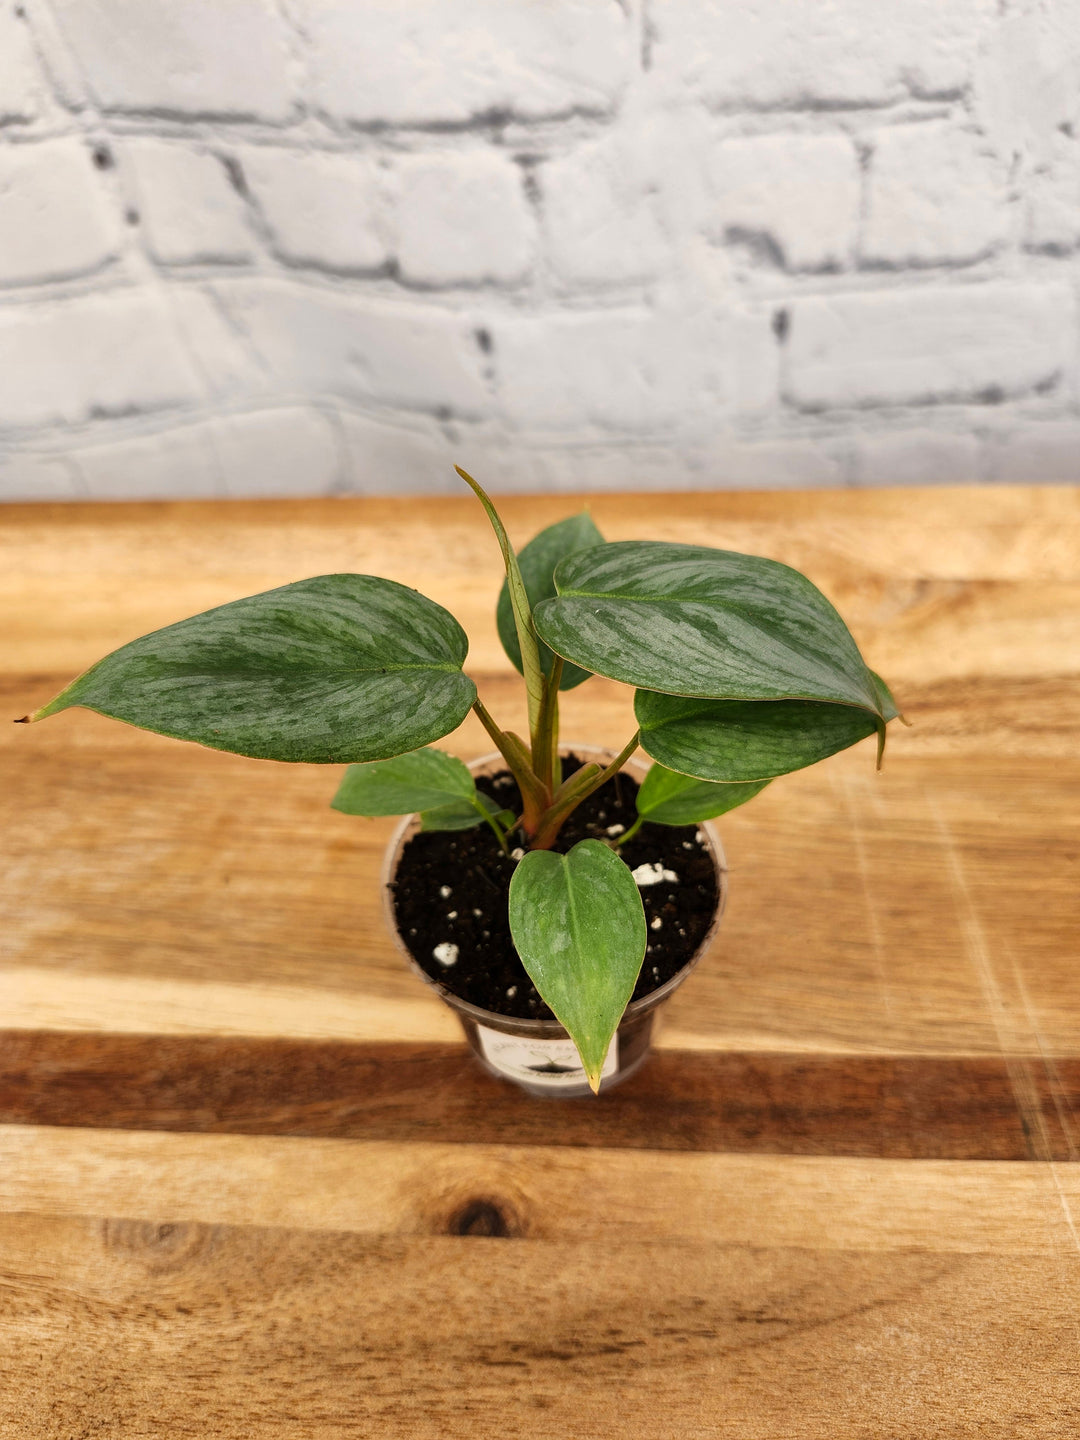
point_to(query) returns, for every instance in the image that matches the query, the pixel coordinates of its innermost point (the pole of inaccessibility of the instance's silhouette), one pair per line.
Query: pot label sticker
(552, 1064)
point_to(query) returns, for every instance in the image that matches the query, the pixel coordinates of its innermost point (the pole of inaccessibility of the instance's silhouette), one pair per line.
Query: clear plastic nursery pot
(538, 1055)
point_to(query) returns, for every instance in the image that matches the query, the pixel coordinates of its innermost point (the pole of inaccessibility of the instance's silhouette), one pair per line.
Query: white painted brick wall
(936, 195)
(272, 247)
(461, 219)
(54, 221)
(797, 194)
(190, 213)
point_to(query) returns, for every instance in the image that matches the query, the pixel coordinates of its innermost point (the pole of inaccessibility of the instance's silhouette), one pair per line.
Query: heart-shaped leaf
(579, 927)
(537, 562)
(337, 668)
(420, 780)
(668, 798)
(745, 740)
(691, 620)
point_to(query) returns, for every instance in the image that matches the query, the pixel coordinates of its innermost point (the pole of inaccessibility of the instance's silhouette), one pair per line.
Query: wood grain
(222, 1333)
(589, 1195)
(891, 1107)
(251, 1182)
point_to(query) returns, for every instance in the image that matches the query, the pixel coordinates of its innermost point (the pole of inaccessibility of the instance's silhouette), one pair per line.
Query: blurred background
(305, 247)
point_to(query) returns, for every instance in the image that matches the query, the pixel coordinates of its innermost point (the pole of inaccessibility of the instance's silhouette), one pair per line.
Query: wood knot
(157, 1245)
(483, 1217)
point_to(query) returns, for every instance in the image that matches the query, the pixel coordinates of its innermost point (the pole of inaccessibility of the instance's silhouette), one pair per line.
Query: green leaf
(579, 927)
(733, 740)
(668, 798)
(690, 620)
(338, 668)
(523, 621)
(889, 708)
(464, 814)
(538, 561)
(421, 780)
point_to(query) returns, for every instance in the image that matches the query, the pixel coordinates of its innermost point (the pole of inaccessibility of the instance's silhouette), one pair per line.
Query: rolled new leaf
(579, 926)
(537, 561)
(668, 798)
(337, 668)
(744, 741)
(691, 620)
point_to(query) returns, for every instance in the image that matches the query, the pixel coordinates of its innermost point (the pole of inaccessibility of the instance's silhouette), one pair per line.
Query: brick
(414, 455)
(384, 352)
(934, 194)
(428, 62)
(939, 343)
(321, 210)
(190, 213)
(794, 196)
(199, 58)
(1052, 218)
(915, 457)
(174, 464)
(226, 363)
(603, 221)
(73, 360)
(291, 451)
(713, 465)
(29, 477)
(55, 220)
(753, 354)
(462, 219)
(625, 370)
(1026, 85)
(391, 459)
(773, 465)
(1042, 452)
(20, 79)
(760, 54)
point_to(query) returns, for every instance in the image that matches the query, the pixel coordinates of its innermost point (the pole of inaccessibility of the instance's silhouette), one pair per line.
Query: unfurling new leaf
(537, 561)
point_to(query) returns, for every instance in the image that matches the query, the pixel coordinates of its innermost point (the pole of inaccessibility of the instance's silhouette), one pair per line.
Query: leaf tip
(593, 1077)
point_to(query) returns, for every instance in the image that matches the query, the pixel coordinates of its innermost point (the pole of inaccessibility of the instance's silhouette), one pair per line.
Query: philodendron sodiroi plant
(742, 671)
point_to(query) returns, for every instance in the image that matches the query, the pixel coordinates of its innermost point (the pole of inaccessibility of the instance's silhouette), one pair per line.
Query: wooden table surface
(250, 1181)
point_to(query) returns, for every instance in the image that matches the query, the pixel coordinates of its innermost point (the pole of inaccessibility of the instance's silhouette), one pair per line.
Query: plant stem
(545, 741)
(628, 834)
(557, 816)
(535, 796)
(500, 833)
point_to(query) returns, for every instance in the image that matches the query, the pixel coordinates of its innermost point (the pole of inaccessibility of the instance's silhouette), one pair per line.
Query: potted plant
(743, 671)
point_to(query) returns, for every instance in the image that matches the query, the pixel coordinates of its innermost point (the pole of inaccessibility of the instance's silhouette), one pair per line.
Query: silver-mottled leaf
(333, 669)
(691, 620)
(739, 740)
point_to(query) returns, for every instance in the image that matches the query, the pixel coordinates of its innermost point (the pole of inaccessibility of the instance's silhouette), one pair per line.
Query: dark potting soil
(451, 891)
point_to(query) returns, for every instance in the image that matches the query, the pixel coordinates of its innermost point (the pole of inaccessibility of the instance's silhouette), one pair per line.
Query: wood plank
(153, 886)
(584, 1195)
(919, 1107)
(129, 1328)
